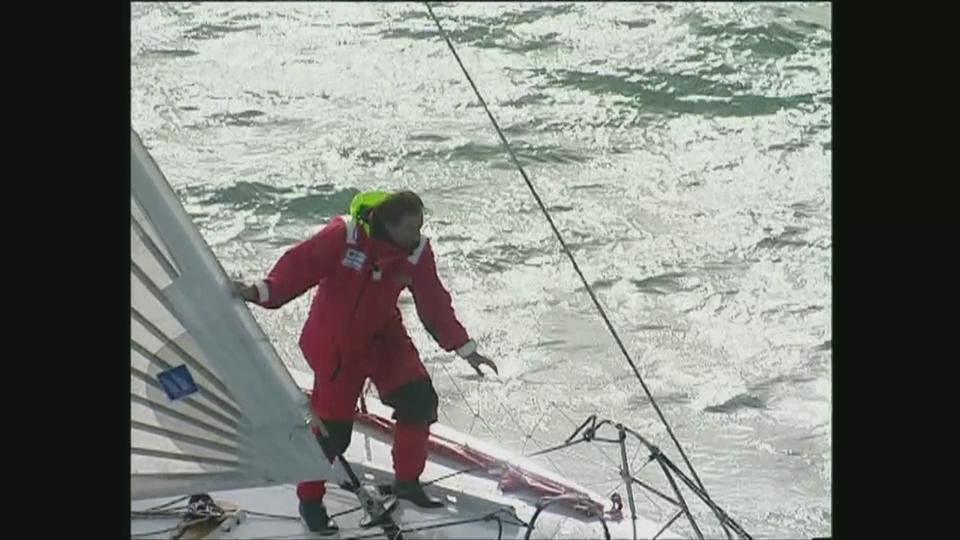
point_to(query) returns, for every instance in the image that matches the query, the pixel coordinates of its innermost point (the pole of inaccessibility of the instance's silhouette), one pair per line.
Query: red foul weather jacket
(359, 280)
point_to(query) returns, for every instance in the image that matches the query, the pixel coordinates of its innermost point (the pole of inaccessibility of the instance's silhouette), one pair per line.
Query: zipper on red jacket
(356, 304)
(363, 287)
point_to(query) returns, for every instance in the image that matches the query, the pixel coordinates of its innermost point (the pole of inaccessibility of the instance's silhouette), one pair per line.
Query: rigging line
(459, 391)
(519, 425)
(582, 457)
(653, 502)
(165, 505)
(489, 427)
(465, 401)
(616, 488)
(473, 517)
(512, 417)
(179, 528)
(272, 516)
(476, 414)
(599, 447)
(614, 464)
(530, 436)
(544, 411)
(566, 249)
(180, 512)
(447, 416)
(533, 429)
(174, 512)
(633, 460)
(667, 525)
(601, 482)
(435, 526)
(534, 454)
(472, 423)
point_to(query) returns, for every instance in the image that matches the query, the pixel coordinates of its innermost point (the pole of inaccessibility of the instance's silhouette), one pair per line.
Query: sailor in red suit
(359, 264)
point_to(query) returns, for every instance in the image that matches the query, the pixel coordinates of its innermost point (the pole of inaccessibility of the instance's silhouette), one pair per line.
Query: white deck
(365, 453)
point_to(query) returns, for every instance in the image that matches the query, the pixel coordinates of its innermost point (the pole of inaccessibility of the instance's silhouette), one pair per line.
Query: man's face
(406, 232)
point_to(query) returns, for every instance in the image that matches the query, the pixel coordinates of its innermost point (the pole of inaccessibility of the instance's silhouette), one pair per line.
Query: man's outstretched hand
(476, 360)
(247, 292)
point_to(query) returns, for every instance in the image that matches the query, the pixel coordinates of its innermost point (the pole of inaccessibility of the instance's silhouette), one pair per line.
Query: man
(360, 263)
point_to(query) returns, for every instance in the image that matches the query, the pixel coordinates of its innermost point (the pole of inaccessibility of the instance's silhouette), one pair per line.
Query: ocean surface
(684, 151)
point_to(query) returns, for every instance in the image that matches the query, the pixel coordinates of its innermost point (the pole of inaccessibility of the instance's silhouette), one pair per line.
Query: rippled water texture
(683, 149)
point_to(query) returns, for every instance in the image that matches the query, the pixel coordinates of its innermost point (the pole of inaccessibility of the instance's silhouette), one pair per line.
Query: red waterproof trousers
(394, 366)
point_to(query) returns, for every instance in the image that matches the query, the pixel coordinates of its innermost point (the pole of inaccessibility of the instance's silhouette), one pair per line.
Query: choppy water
(684, 151)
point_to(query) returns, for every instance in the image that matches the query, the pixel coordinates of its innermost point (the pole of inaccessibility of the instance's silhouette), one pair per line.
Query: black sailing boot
(314, 514)
(413, 492)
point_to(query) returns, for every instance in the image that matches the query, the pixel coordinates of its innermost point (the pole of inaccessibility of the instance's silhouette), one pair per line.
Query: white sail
(240, 421)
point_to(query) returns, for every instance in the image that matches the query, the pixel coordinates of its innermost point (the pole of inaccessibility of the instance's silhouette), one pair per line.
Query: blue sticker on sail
(177, 383)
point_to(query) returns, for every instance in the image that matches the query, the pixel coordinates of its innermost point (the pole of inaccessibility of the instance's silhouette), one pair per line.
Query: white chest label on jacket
(354, 259)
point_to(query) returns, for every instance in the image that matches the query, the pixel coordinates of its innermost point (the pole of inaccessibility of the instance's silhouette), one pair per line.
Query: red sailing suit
(355, 329)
